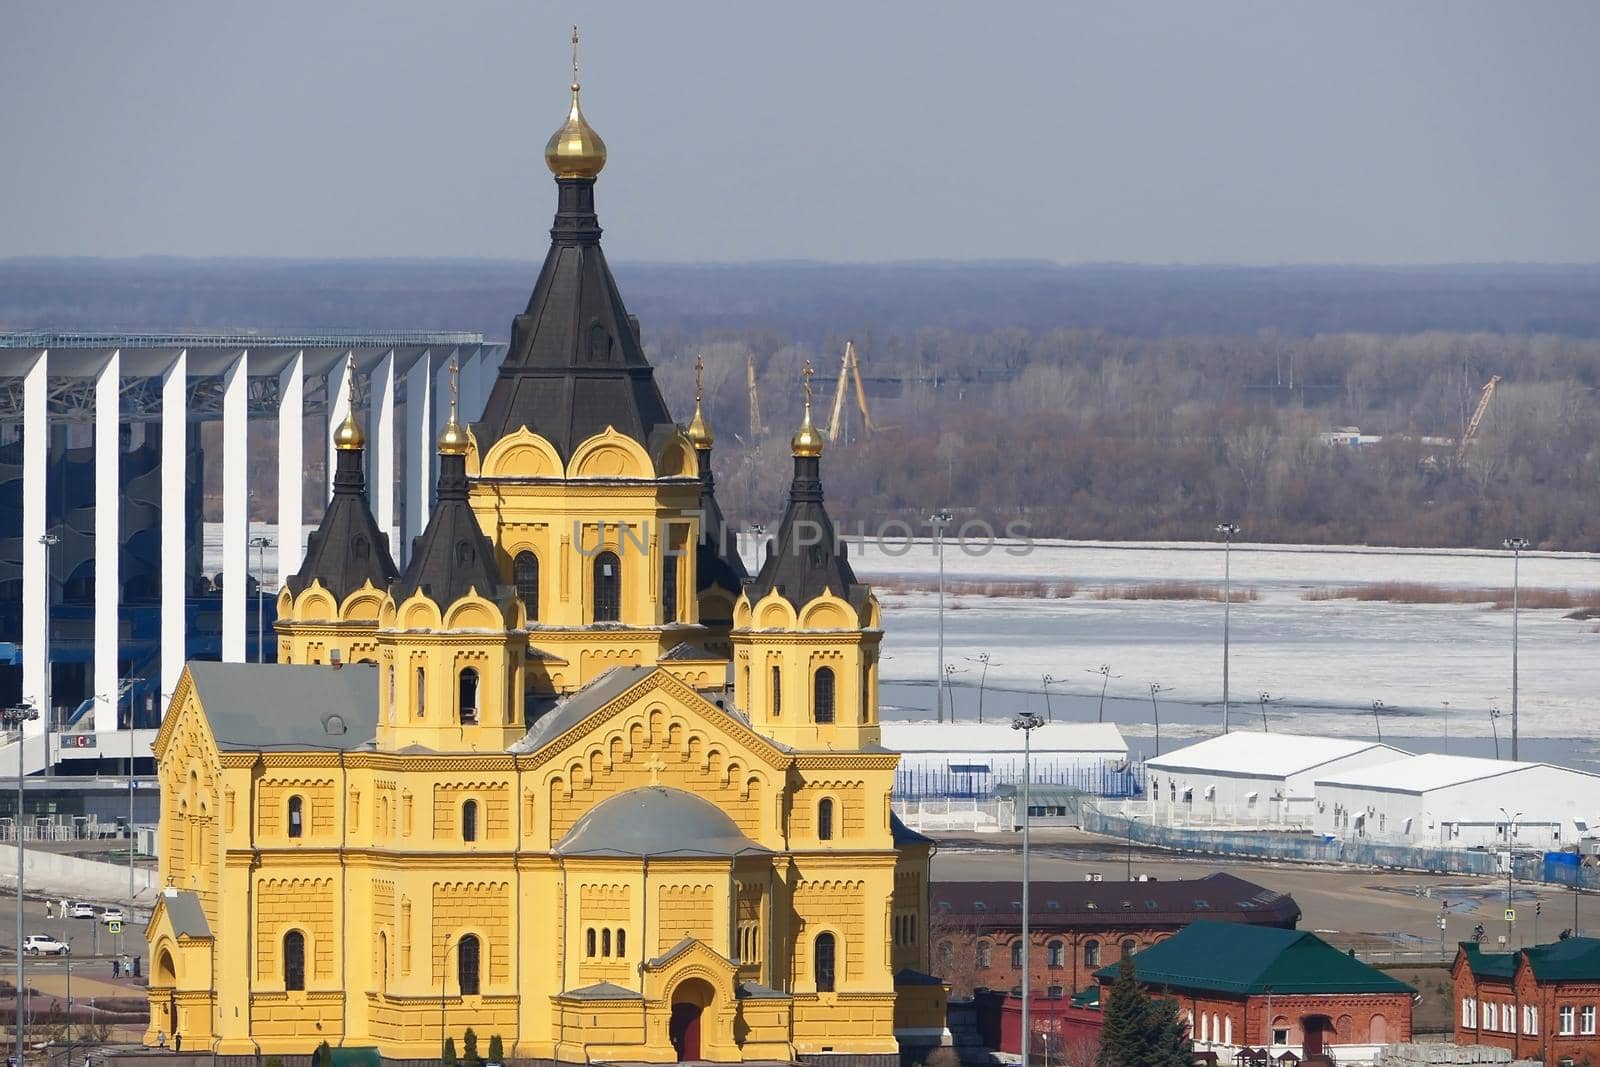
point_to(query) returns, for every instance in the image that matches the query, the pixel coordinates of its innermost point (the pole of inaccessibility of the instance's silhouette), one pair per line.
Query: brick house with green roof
(1539, 1002)
(1280, 990)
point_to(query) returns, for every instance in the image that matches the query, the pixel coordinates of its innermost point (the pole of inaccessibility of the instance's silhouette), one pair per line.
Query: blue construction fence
(975, 781)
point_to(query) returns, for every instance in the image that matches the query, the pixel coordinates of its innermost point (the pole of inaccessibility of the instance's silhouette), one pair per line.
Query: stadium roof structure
(1265, 755)
(989, 737)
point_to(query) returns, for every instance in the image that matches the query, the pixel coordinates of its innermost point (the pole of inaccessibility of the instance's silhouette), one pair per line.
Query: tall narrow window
(468, 696)
(984, 956)
(467, 966)
(825, 819)
(1016, 954)
(822, 695)
(622, 942)
(824, 963)
(469, 821)
(590, 943)
(777, 690)
(1056, 954)
(607, 587)
(605, 941)
(294, 960)
(1129, 946)
(422, 692)
(296, 816)
(669, 589)
(525, 573)
(391, 692)
(1091, 953)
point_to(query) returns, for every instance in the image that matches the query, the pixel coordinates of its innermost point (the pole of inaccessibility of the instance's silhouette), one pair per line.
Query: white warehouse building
(1460, 802)
(970, 757)
(1248, 778)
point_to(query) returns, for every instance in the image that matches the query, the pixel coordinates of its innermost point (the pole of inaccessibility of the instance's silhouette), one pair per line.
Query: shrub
(450, 1052)
(497, 1049)
(469, 1049)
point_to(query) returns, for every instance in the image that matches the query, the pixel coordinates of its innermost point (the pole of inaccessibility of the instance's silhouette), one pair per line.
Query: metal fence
(977, 782)
(1306, 848)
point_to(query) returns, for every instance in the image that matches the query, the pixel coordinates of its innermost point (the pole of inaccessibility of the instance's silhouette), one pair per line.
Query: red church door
(684, 1030)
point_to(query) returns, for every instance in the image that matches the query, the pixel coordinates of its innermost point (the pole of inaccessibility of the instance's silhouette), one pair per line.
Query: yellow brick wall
(479, 908)
(685, 911)
(293, 903)
(838, 905)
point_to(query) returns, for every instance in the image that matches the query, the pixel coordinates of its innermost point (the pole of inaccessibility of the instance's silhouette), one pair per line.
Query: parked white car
(81, 910)
(111, 915)
(43, 945)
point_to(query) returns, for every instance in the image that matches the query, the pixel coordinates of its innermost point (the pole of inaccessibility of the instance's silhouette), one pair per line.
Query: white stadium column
(291, 467)
(338, 408)
(107, 541)
(235, 505)
(477, 389)
(174, 522)
(35, 556)
(380, 456)
(419, 446)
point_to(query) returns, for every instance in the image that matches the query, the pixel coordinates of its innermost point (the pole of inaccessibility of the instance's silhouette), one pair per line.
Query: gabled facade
(1540, 1003)
(509, 789)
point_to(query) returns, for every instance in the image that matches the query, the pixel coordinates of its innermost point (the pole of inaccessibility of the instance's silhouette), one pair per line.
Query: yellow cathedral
(572, 778)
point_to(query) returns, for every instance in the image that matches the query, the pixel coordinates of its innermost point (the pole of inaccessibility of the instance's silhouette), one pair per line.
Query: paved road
(1375, 912)
(88, 937)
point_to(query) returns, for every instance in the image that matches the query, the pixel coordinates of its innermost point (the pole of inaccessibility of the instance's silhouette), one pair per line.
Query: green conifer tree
(1124, 1039)
(469, 1049)
(450, 1052)
(497, 1049)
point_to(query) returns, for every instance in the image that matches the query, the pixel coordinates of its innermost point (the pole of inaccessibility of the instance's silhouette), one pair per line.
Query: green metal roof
(1240, 959)
(1577, 959)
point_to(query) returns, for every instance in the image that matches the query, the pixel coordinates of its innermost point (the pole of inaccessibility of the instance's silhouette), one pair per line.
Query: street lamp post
(940, 519)
(1227, 530)
(260, 544)
(1027, 722)
(1494, 724)
(1511, 832)
(1377, 706)
(1157, 687)
(1046, 682)
(1516, 545)
(983, 658)
(1446, 727)
(20, 717)
(444, 971)
(950, 672)
(1104, 671)
(69, 1002)
(1265, 698)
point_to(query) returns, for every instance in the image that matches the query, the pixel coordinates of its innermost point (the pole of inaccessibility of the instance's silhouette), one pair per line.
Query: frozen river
(1438, 668)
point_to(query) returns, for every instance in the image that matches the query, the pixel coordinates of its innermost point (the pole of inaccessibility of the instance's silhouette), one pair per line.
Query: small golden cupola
(700, 434)
(720, 574)
(575, 150)
(806, 633)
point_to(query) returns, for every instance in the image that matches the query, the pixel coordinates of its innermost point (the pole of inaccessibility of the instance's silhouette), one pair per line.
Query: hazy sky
(1141, 132)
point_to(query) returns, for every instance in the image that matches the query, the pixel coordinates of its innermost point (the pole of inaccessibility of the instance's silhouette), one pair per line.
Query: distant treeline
(1114, 402)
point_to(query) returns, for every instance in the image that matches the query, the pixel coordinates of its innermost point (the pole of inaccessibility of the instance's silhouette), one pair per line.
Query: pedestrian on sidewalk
(49, 912)
(177, 1041)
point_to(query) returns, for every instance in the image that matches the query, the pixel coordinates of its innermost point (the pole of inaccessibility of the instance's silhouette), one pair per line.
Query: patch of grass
(1029, 589)
(1587, 605)
(1173, 591)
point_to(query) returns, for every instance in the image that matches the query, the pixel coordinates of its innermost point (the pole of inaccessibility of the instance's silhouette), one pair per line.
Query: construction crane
(756, 429)
(1477, 418)
(849, 370)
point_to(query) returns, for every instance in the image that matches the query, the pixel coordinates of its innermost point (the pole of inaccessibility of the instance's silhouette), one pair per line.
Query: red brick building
(1540, 1002)
(975, 928)
(1251, 987)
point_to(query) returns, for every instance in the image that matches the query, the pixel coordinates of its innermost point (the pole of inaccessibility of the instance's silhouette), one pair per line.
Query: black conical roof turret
(452, 556)
(347, 549)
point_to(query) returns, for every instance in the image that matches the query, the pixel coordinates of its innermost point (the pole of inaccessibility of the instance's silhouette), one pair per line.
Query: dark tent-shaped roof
(347, 549)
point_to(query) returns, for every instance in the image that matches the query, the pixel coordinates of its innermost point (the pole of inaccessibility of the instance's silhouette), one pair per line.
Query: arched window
(467, 966)
(390, 673)
(294, 960)
(607, 587)
(824, 963)
(984, 956)
(669, 589)
(777, 690)
(589, 947)
(825, 819)
(467, 696)
(822, 695)
(383, 961)
(422, 692)
(947, 954)
(525, 573)
(469, 821)
(1016, 953)
(1129, 946)
(622, 942)
(1056, 954)
(1091, 953)
(605, 942)
(296, 816)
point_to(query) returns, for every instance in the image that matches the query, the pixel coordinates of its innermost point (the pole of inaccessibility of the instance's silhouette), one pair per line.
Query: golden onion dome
(349, 435)
(807, 440)
(575, 150)
(453, 438)
(700, 434)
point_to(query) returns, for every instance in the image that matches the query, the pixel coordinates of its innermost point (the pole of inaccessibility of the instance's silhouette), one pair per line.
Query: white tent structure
(1460, 802)
(1248, 778)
